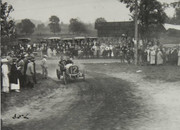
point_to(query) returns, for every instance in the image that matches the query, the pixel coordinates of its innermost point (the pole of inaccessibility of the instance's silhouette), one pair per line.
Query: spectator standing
(94, 50)
(98, 51)
(54, 52)
(140, 55)
(34, 69)
(111, 51)
(128, 56)
(174, 56)
(49, 52)
(152, 56)
(124, 50)
(167, 55)
(5, 78)
(13, 78)
(44, 67)
(21, 72)
(148, 55)
(121, 56)
(29, 74)
(159, 57)
(106, 52)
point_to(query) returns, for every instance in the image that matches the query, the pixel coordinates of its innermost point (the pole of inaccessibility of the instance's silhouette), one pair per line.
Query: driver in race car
(69, 62)
(62, 63)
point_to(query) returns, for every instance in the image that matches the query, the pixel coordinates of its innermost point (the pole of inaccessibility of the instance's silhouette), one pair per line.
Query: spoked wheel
(58, 73)
(84, 77)
(64, 78)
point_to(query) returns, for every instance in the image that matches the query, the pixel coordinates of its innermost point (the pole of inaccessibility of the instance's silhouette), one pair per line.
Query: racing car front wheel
(64, 78)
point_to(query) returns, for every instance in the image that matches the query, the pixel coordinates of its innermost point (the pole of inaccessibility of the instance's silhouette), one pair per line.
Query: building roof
(52, 38)
(171, 26)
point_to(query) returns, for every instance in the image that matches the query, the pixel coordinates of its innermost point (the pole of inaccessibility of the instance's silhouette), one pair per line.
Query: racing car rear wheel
(64, 78)
(83, 75)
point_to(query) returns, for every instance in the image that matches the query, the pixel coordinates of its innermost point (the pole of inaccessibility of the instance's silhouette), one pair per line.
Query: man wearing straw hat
(5, 78)
(29, 74)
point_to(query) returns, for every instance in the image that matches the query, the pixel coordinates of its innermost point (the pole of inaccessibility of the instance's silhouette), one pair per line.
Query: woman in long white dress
(152, 56)
(5, 78)
(49, 52)
(54, 52)
(159, 57)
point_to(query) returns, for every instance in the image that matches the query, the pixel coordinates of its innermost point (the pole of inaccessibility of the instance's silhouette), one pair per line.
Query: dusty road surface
(109, 99)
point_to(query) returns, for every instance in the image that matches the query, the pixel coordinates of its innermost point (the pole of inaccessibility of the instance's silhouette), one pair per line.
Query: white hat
(4, 60)
(45, 56)
(26, 55)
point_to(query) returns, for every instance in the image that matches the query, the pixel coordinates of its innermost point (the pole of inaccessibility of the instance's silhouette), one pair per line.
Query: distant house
(115, 29)
(172, 26)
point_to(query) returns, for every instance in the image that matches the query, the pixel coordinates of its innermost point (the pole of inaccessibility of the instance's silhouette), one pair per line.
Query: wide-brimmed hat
(45, 56)
(26, 55)
(4, 61)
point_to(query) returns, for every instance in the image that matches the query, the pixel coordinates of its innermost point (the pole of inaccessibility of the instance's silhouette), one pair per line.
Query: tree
(150, 15)
(40, 26)
(54, 24)
(40, 29)
(26, 26)
(7, 24)
(100, 20)
(76, 26)
(176, 18)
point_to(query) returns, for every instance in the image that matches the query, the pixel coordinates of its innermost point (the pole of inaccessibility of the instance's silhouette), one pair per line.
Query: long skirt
(152, 60)
(5, 83)
(15, 86)
(159, 60)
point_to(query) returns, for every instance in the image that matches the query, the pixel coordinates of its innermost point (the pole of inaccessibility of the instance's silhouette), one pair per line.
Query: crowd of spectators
(17, 72)
(18, 64)
(149, 52)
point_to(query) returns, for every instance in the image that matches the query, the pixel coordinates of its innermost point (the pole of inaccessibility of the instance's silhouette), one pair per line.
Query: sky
(86, 10)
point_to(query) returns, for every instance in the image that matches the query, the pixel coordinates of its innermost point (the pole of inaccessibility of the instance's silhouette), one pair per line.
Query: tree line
(150, 15)
(76, 26)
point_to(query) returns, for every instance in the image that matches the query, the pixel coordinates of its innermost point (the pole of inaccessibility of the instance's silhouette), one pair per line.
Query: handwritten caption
(17, 116)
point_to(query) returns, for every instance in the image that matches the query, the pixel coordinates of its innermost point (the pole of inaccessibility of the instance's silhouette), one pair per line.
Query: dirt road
(105, 101)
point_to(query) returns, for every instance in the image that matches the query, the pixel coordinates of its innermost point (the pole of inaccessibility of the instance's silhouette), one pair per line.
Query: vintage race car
(69, 72)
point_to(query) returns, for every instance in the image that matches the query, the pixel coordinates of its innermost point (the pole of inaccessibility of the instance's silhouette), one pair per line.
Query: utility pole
(136, 32)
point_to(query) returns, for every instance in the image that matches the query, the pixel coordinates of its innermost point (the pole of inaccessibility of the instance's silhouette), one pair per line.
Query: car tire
(84, 77)
(64, 78)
